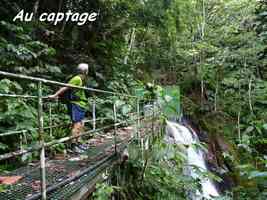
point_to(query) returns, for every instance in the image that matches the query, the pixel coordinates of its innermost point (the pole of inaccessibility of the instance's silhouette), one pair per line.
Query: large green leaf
(170, 101)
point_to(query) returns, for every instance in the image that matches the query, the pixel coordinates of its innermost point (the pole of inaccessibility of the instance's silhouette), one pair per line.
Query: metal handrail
(42, 144)
(18, 96)
(12, 75)
(8, 133)
(59, 141)
(88, 172)
(47, 127)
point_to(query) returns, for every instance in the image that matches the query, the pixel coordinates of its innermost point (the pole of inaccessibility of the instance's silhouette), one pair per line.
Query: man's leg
(76, 131)
(77, 117)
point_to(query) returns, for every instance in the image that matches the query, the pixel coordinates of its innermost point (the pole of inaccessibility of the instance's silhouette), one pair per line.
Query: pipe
(65, 139)
(53, 126)
(41, 140)
(12, 75)
(18, 96)
(48, 127)
(38, 147)
(115, 126)
(138, 114)
(153, 113)
(50, 121)
(94, 115)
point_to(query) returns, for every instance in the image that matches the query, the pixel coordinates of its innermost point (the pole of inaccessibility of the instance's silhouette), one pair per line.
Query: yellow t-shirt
(77, 81)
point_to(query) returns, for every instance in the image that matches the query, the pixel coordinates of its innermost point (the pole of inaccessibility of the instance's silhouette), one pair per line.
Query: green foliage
(2, 188)
(170, 101)
(156, 173)
(22, 54)
(15, 109)
(219, 45)
(103, 192)
(59, 148)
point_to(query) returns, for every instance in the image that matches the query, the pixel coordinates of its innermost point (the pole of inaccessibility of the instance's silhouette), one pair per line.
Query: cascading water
(178, 134)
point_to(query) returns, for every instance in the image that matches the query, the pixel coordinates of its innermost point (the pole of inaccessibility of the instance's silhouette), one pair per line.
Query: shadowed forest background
(215, 50)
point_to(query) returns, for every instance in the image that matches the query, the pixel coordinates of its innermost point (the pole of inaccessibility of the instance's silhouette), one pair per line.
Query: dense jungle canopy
(215, 50)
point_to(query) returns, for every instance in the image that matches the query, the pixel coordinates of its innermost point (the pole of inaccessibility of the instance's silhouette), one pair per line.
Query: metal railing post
(20, 142)
(94, 114)
(138, 118)
(41, 140)
(142, 149)
(24, 133)
(146, 145)
(153, 118)
(50, 121)
(115, 126)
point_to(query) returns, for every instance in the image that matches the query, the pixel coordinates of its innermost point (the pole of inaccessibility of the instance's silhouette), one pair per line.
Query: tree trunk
(202, 55)
(239, 112)
(69, 4)
(249, 96)
(132, 39)
(60, 5)
(238, 127)
(202, 91)
(216, 96)
(35, 8)
(204, 19)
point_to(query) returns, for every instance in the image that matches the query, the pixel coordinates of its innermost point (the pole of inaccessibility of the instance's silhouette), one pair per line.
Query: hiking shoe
(70, 148)
(74, 148)
(78, 150)
(83, 147)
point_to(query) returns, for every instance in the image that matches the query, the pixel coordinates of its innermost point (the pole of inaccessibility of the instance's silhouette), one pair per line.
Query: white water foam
(178, 134)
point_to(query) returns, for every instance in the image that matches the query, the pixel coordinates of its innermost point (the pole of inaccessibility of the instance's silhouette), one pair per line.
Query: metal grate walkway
(65, 173)
(60, 179)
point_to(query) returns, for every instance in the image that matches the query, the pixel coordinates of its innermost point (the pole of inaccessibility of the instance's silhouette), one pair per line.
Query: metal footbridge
(41, 172)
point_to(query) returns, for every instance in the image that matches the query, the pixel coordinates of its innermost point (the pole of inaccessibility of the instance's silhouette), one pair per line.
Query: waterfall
(181, 135)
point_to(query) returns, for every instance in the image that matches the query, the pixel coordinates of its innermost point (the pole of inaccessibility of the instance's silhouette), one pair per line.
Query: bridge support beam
(50, 121)
(115, 126)
(138, 118)
(94, 114)
(41, 140)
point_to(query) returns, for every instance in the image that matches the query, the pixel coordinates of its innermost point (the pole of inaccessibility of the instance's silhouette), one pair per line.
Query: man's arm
(76, 81)
(58, 93)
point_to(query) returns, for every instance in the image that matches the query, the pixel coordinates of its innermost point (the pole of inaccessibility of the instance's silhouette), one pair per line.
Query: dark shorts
(77, 114)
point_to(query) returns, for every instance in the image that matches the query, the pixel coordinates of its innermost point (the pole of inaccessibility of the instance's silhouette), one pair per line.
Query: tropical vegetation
(215, 51)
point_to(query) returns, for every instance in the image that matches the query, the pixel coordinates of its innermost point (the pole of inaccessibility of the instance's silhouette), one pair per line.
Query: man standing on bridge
(76, 103)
